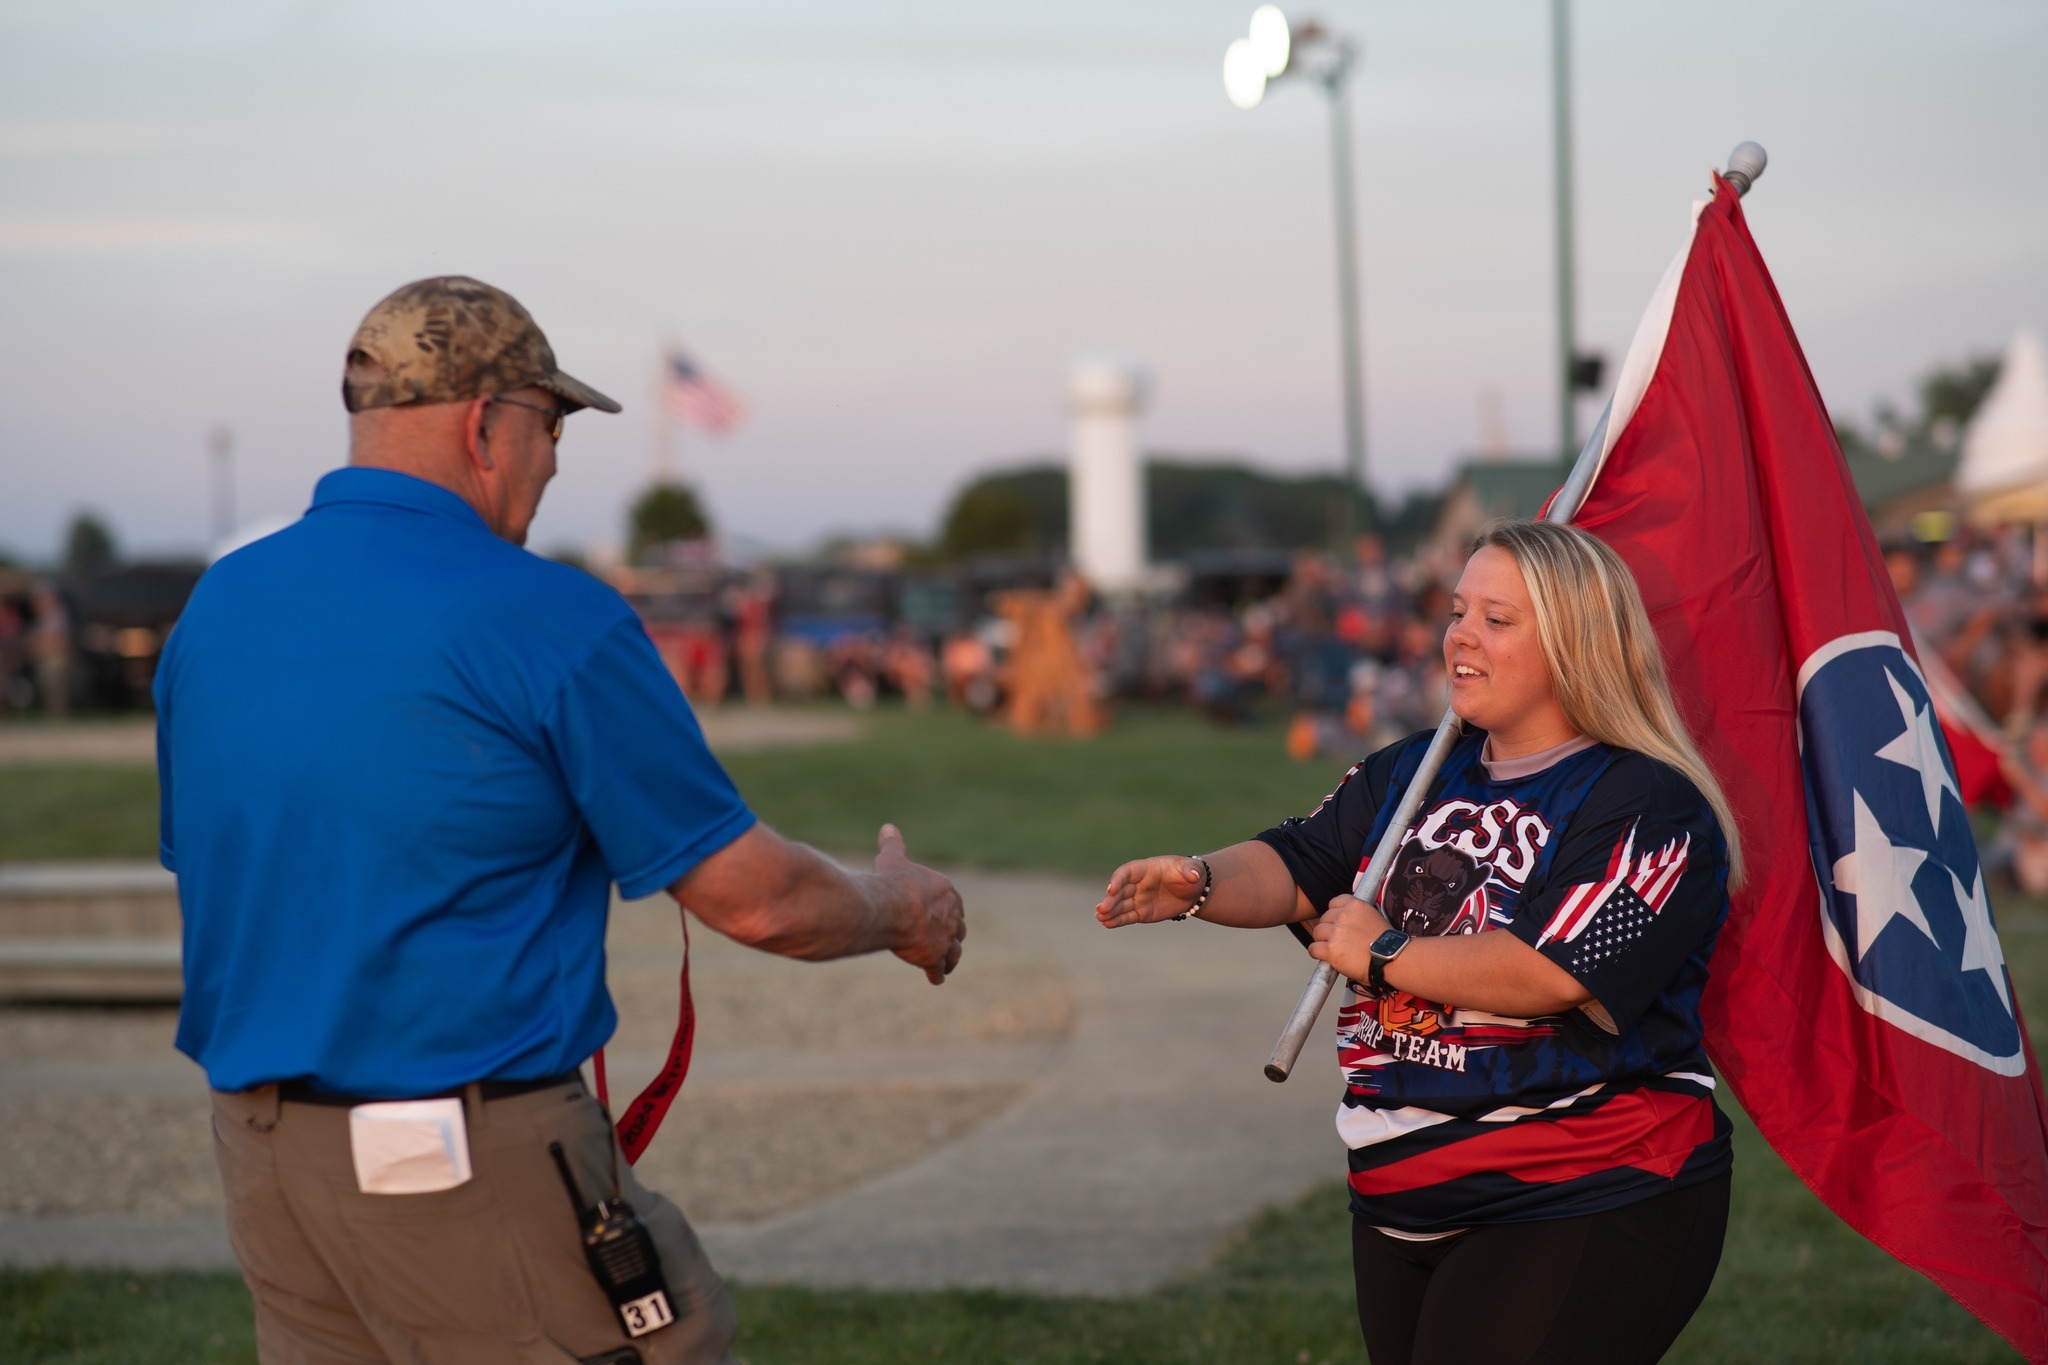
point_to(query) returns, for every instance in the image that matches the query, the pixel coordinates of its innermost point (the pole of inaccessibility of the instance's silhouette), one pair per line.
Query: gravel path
(1076, 1111)
(808, 1078)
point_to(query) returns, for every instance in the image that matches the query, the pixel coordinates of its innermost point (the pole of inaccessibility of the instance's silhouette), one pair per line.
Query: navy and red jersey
(1609, 863)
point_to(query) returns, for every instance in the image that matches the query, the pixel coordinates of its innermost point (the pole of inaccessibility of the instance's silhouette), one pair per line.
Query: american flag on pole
(695, 399)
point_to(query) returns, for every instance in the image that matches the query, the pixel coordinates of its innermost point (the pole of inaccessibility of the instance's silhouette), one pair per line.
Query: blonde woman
(1537, 1166)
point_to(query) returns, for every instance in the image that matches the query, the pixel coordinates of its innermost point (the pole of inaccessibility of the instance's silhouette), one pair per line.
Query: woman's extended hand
(1150, 890)
(1344, 935)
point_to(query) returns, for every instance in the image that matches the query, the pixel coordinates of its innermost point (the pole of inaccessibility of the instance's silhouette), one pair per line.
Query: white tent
(2004, 470)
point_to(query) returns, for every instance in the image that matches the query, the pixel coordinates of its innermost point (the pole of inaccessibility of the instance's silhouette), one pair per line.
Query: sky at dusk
(890, 226)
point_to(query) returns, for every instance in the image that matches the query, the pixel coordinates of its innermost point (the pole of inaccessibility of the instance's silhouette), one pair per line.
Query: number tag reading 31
(644, 1315)
(622, 1257)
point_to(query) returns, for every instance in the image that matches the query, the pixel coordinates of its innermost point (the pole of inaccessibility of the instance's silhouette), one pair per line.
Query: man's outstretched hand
(937, 922)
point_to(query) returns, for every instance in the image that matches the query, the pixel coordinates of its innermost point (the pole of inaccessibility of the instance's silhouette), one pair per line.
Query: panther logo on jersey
(1460, 862)
(1429, 892)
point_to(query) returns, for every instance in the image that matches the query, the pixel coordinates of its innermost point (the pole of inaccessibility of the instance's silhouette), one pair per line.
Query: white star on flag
(1981, 950)
(1879, 874)
(1918, 748)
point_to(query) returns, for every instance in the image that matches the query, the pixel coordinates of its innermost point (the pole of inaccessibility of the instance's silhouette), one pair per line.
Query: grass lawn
(967, 793)
(964, 792)
(77, 812)
(1795, 1285)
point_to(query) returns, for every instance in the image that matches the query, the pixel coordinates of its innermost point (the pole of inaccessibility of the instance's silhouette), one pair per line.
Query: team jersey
(1609, 863)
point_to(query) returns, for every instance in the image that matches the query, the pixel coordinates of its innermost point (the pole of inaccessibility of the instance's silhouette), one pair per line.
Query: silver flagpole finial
(1745, 164)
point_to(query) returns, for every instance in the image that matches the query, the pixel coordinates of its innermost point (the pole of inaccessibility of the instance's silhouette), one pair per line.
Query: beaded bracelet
(1208, 885)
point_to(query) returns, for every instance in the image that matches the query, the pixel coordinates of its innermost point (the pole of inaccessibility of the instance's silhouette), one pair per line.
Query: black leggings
(1611, 1288)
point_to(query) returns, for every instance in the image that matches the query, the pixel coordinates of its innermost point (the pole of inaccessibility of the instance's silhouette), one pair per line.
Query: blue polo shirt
(403, 763)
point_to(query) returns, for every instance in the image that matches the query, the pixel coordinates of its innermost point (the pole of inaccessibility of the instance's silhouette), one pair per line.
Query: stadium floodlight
(1273, 49)
(1270, 39)
(1244, 76)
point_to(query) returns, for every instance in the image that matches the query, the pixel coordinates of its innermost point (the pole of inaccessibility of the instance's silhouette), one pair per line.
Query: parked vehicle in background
(121, 618)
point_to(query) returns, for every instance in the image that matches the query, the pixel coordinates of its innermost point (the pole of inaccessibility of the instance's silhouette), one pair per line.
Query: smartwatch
(1385, 949)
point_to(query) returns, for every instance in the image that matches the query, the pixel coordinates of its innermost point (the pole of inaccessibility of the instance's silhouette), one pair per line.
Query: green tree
(988, 521)
(1956, 391)
(665, 512)
(1021, 511)
(1191, 504)
(570, 555)
(1219, 504)
(88, 546)
(1949, 397)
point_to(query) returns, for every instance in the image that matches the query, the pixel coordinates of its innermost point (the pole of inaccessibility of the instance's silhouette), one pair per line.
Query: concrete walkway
(1151, 1138)
(1099, 1149)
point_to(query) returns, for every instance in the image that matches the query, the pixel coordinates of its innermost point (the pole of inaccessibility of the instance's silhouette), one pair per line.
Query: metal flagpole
(1745, 164)
(664, 424)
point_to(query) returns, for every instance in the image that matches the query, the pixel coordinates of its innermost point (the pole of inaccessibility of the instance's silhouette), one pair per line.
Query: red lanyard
(644, 1115)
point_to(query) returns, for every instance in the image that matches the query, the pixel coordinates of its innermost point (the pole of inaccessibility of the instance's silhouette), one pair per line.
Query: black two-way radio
(622, 1257)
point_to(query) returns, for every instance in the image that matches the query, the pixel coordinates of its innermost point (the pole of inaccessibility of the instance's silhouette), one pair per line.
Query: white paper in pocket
(409, 1146)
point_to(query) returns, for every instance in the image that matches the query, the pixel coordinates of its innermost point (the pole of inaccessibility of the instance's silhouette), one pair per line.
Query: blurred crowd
(1349, 650)
(36, 647)
(1345, 650)
(1978, 606)
(1341, 654)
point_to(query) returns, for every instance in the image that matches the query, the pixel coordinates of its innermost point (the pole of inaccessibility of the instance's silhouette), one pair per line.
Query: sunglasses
(556, 416)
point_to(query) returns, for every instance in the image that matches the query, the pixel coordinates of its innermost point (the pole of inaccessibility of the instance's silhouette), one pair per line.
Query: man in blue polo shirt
(403, 764)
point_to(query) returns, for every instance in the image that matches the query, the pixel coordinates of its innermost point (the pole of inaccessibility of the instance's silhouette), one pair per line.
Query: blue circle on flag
(1902, 893)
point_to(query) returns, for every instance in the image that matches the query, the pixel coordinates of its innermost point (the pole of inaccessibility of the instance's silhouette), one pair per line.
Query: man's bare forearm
(787, 898)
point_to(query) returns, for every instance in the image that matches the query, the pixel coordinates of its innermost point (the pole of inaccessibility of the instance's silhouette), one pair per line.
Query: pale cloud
(110, 234)
(24, 138)
(889, 223)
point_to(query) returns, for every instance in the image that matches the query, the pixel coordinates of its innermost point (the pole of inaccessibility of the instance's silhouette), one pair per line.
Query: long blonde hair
(1606, 668)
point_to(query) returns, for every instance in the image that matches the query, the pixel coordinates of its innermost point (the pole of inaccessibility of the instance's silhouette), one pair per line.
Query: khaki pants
(490, 1272)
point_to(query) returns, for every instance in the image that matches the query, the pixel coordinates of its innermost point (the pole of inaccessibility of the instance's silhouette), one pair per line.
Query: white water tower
(1105, 475)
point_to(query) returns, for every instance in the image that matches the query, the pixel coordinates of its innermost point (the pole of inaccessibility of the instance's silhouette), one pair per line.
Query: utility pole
(221, 442)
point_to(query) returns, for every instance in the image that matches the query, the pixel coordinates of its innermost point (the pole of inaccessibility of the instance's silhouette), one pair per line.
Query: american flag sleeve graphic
(1630, 900)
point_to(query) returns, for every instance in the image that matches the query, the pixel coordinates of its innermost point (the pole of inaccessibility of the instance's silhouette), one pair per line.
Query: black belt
(302, 1092)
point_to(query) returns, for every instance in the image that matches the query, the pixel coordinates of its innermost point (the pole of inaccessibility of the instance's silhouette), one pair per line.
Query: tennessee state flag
(1859, 1005)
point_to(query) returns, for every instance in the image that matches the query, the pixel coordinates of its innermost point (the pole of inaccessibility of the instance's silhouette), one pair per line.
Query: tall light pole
(1577, 371)
(1567, 301)
(1268, 52)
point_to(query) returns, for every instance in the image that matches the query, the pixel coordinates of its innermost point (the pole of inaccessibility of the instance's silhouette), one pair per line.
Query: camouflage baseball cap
(449, 339)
